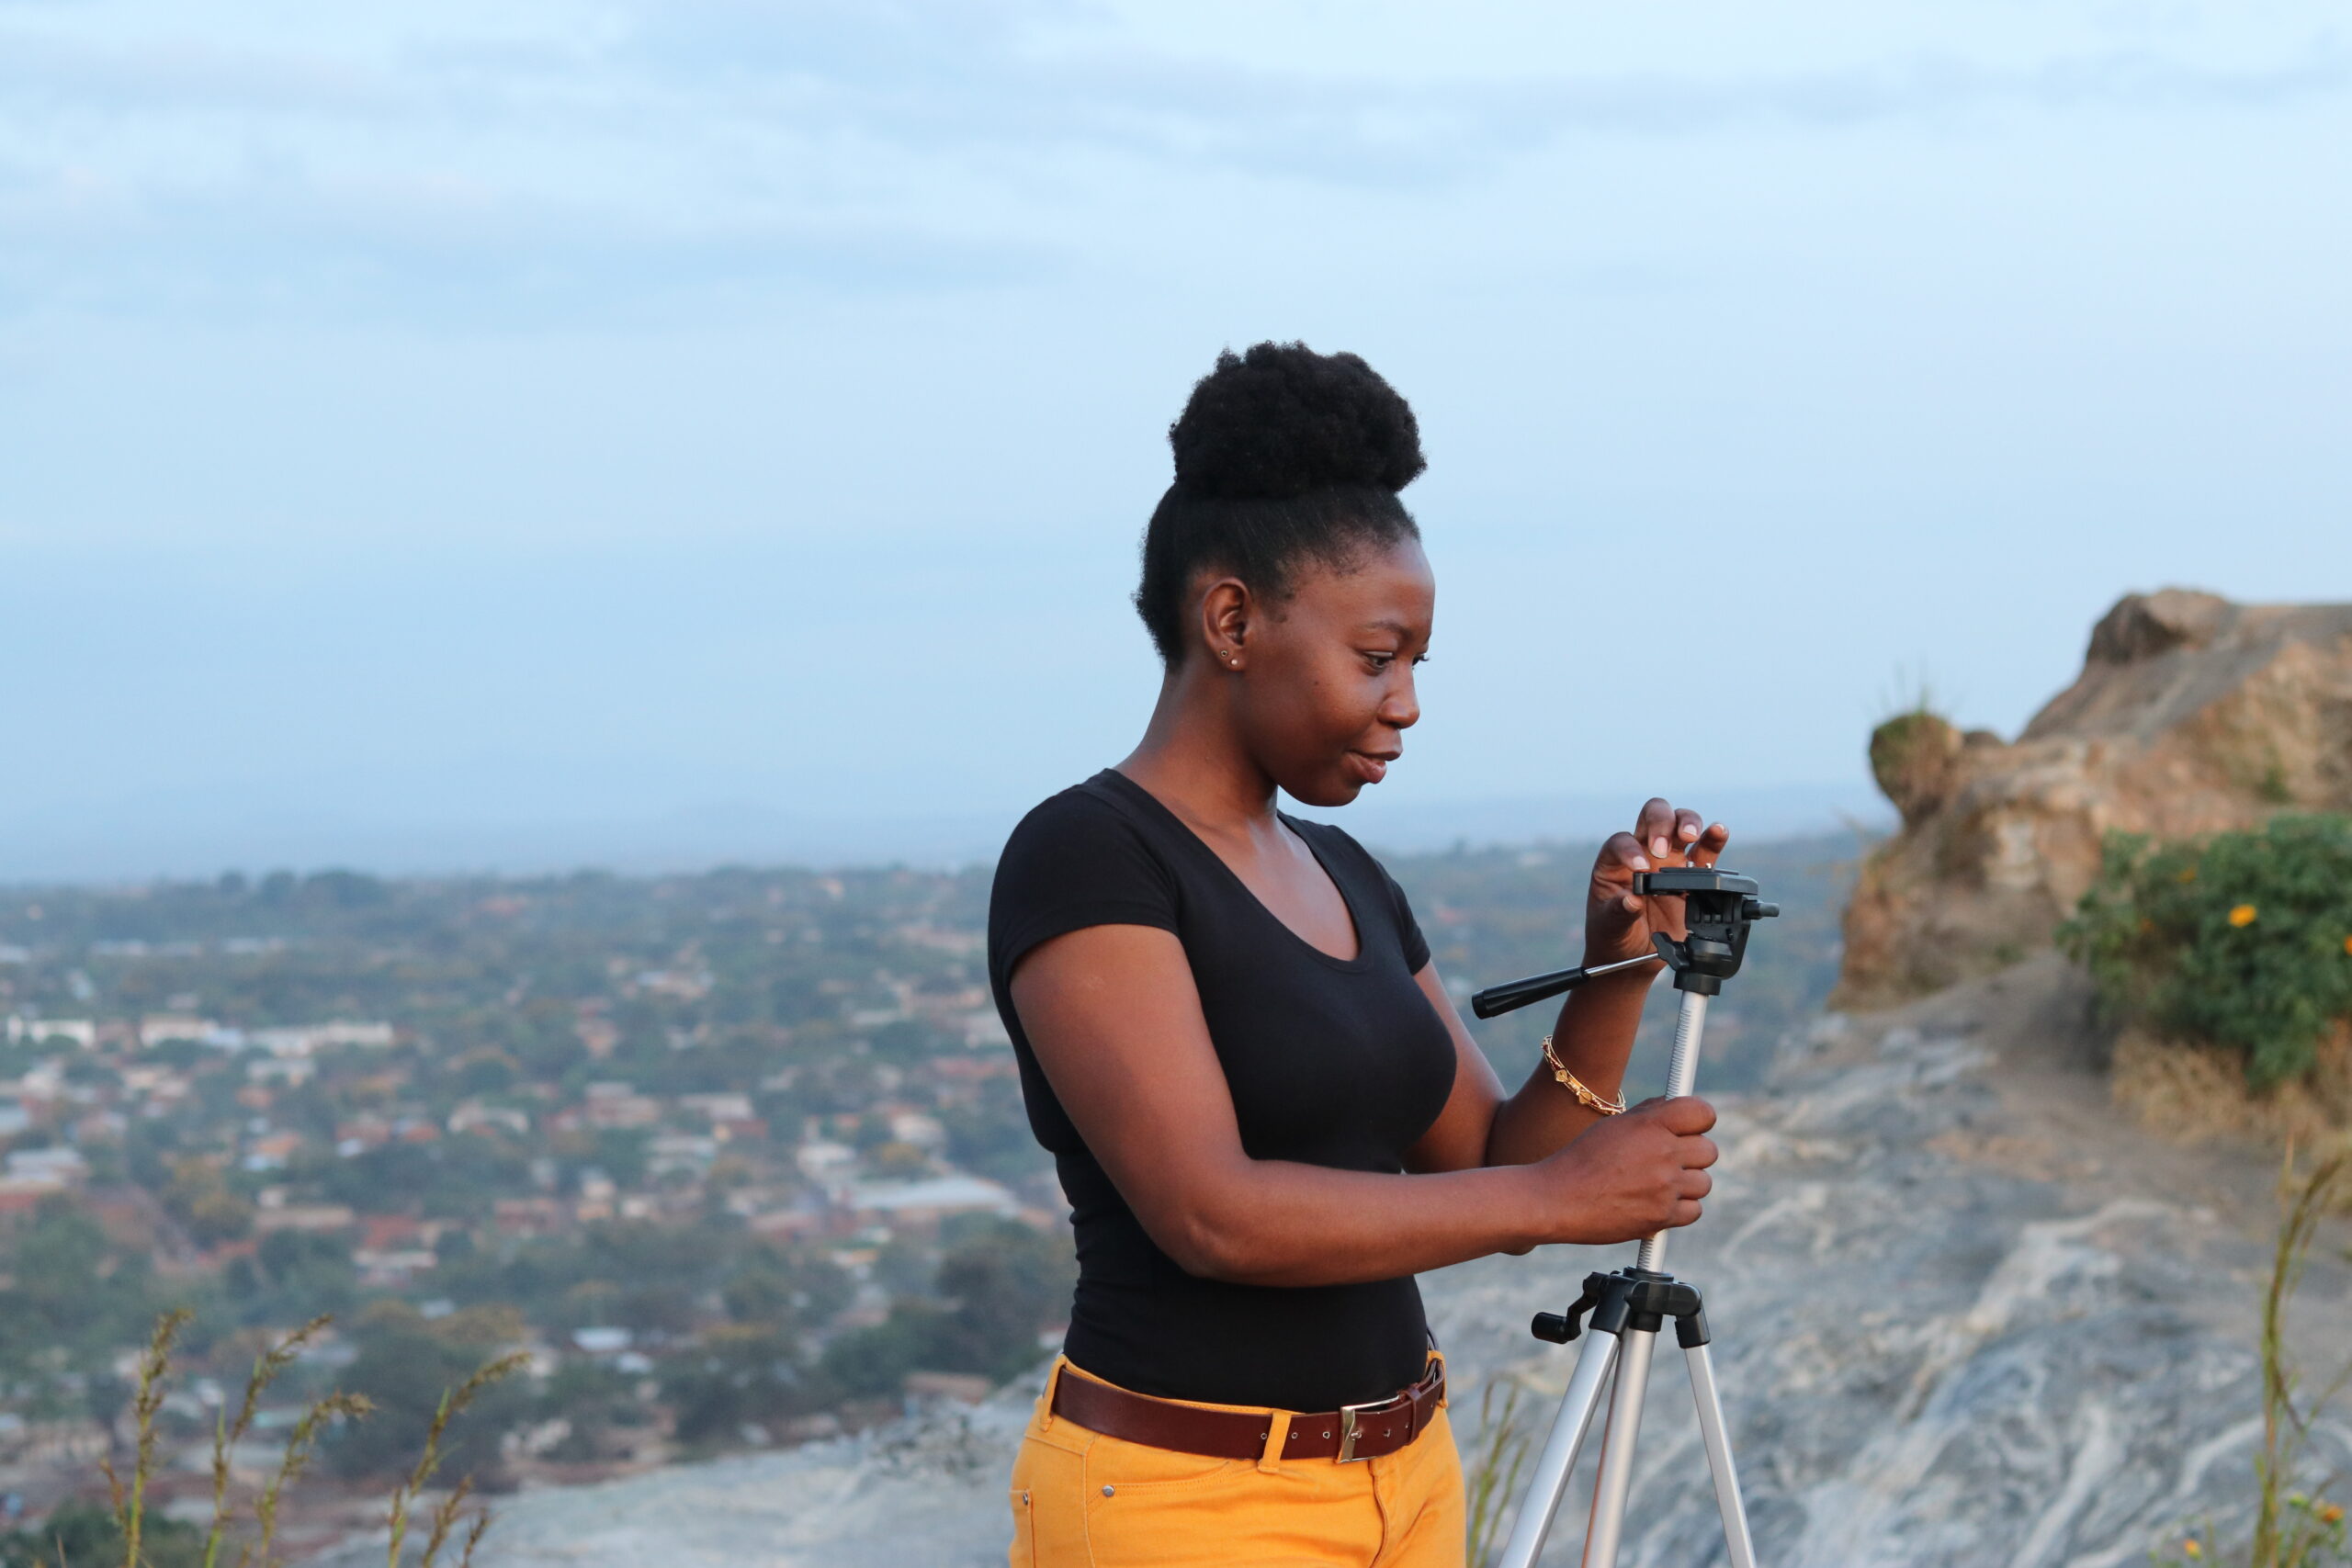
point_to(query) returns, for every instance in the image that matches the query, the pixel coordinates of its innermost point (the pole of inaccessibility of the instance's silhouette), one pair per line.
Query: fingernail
(1689, 831)
(1638, 863)
(1658, 846)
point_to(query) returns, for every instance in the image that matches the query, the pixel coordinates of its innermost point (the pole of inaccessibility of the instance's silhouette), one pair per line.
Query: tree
(735, 1376)
(70, 1290)
(200, 1197)
(873, 1362)
(795, 1295)
(83, 1534)
(1003, 1285)
(404, 1367)
(294, 1275)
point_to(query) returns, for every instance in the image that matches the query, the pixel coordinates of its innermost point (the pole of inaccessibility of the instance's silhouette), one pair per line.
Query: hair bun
(1280, 420)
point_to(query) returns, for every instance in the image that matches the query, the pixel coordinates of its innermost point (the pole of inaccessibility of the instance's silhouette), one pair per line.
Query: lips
(1368, 768)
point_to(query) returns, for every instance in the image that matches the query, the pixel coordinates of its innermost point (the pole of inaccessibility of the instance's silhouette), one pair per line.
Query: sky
(447, 434)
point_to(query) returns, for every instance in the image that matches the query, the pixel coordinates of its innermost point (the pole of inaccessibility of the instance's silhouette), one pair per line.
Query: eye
(1420, 659)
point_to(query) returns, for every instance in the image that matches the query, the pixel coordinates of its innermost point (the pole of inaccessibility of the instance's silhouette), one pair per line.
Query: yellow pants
(1084, 1500)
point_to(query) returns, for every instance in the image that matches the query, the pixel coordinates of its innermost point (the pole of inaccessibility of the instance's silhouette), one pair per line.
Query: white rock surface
(1965, 1318)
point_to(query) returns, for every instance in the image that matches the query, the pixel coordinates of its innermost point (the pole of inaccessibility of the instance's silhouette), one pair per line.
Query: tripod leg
(1616, 1480)
(1550, 1481)
(1719, 1463)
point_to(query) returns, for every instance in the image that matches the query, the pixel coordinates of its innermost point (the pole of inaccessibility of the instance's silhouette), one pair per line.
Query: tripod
(1630, 1307)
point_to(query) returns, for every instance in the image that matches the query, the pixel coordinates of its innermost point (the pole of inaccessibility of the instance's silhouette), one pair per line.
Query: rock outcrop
(2193, 714)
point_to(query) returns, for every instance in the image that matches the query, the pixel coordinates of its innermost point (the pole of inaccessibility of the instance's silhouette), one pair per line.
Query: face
(1325, 691)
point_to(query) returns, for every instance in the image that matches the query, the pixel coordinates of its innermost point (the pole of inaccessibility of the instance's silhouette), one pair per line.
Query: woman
(1266, 1113)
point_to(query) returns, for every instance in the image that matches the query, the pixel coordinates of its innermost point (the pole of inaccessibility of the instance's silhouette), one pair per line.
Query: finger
(1698, 1154)
(1694, 1184)
(1622, 853)
(1710, 845)
(1655, 826)
(1688, 827)
(1686, 1114)
(1686, 1212)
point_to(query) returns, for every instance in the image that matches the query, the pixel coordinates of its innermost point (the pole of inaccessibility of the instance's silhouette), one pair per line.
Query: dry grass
(1492, 1476)
(129, 1498)
(2286, 1532)
(443, 1520)
(227, 1432)
(2193, 1093)
(447, 1519)
(2293, 1526)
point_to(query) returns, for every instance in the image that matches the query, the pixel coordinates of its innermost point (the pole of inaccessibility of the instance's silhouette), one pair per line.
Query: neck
(1191, 756)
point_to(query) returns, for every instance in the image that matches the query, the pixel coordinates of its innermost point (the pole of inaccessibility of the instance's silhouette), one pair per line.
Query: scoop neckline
(1355, 916)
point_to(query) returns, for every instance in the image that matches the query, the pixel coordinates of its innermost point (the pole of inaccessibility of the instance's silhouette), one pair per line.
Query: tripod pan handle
(1512, 995)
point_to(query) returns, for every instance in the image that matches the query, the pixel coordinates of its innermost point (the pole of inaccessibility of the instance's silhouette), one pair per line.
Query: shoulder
(1082, 858)
(1086, 818)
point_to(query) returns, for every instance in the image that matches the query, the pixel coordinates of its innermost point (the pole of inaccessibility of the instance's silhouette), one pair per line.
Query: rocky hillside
(2193, 714)
(1967, 1314)
(1964, 1318)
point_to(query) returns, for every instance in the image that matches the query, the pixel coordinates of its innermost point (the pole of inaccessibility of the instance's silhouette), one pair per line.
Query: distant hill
(181, 837)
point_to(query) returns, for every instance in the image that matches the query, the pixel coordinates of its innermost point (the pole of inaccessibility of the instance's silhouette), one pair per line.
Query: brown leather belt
(1350, 1433)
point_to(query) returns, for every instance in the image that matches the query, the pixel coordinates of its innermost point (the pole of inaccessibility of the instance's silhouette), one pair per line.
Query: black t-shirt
(1331, 1062)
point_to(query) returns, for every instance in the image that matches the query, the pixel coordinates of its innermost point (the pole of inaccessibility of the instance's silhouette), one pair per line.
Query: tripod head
(1719, 908)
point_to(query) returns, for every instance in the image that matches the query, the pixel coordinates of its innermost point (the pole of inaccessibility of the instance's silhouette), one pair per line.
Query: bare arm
(1116, 1023)
(1480, 1126)
(1594, 1033)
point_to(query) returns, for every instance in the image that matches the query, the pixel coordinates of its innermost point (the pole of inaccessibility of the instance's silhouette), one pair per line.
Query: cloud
(303, 253)
(546, 164)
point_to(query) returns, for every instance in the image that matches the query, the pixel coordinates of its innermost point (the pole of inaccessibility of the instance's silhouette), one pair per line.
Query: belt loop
(1270, 1458)
(1053, 1391)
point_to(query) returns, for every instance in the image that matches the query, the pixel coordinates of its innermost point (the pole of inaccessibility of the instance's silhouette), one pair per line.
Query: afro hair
(1282, 454)
(1282, 420)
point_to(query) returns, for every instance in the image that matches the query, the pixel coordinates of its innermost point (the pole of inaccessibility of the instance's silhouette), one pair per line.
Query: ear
(1226, 612)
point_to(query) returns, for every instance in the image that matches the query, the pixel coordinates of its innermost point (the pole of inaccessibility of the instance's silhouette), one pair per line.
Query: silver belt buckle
(1349, 1429)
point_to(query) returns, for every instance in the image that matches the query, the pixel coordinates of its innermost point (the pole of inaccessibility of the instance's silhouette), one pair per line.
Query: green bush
(2243, 939)
(1915, 758)
(85, 1534)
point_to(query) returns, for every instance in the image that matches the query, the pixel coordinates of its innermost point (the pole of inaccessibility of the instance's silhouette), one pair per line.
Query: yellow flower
(2330, 1513)
(2347, 944)
(2243, 915)
(2188, 874)
(2191, 1547)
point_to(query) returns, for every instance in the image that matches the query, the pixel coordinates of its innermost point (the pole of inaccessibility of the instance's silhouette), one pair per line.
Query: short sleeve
(1074, 862)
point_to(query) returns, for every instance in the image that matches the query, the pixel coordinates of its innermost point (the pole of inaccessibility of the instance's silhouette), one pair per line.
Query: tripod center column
(1681, 1079)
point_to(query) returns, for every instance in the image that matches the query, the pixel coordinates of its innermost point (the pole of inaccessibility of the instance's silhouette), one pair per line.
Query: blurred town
(739, 1158)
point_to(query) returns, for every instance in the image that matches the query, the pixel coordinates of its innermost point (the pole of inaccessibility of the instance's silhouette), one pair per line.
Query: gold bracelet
(1576, 1084)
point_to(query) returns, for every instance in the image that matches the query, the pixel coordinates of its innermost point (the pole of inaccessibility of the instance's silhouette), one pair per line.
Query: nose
(1401, 708)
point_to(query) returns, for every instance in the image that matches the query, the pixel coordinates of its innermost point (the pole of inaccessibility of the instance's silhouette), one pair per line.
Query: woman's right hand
(1630, 1176)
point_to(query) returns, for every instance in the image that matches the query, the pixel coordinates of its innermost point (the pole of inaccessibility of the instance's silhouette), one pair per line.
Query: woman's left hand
(1619, 922)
